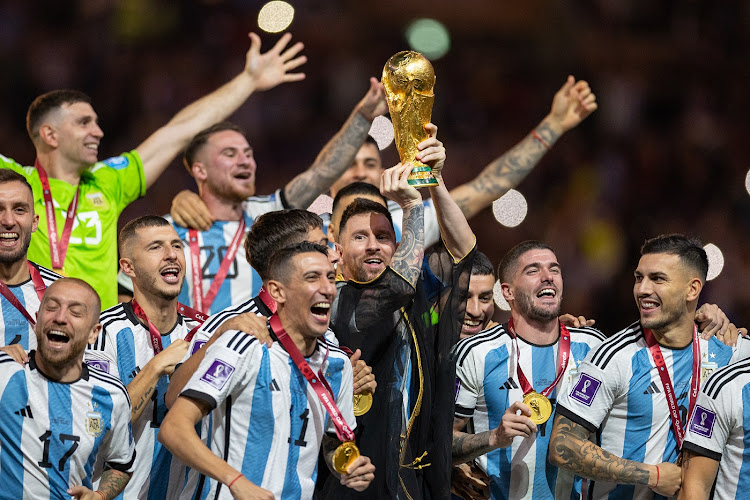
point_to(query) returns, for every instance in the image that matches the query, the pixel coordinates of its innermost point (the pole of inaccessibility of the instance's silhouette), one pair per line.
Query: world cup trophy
(408, 79)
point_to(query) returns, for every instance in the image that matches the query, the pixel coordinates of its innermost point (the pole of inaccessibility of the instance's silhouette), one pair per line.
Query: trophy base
(421, 176)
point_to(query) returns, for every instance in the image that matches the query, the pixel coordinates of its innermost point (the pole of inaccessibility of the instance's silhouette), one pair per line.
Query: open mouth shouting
(9, 238)
(547, 293)
(57, 338)
(321, 311)
(471, 326)
(171, 274)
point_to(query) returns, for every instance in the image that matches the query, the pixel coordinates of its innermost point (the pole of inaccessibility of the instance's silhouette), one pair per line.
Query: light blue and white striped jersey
(122, 350)
(254, 305)
(56, 435)
(720, 428)
(14, 327)
(488, 385)
(431, 228)
(268, 420)
(619, 393)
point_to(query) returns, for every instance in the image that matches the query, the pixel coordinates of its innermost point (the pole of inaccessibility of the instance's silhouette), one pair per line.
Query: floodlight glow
(275, 16)
(715, 261)
(500, 302)
(747, 182)
(429, 37)
(510, 209)
(382, 131)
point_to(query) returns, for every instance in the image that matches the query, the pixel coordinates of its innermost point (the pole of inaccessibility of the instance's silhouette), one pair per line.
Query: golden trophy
(408, 79)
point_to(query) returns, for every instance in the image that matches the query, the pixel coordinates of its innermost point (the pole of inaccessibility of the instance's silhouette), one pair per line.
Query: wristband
(541, 141)
(236, 478)
(657, 476)
(104, 497)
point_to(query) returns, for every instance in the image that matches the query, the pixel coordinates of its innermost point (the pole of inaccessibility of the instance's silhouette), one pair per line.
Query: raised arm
(458, 237)
(571, 105)
(338, 154)
(142, 387)
(261, 72)
(571, 449)
(407, 261)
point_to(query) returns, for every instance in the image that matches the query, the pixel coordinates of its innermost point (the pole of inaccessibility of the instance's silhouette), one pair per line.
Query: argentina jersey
(268, 420)
(720, 428)
(123, 349)
(488, 385)
(56, 435)
(16, 329)
(241, 282)
(619, 394)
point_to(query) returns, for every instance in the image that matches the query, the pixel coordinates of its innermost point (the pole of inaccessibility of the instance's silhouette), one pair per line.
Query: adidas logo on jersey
(24, 412)
(274, 386)
(652, 389)
(510, 384)
(135, 372)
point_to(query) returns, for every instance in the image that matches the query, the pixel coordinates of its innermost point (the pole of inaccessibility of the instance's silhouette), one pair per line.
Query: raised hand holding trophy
(408, 79)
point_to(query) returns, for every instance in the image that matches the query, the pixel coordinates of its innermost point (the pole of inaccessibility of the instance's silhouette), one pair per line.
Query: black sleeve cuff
(282, 198)
(700, 450)
(561, 410)
(462, 412)
(201, 396)
(120, 467)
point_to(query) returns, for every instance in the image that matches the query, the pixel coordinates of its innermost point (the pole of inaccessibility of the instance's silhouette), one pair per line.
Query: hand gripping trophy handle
(408, 79)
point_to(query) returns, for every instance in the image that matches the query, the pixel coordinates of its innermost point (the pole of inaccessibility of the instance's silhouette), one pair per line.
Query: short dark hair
(509, 262)
(128, 231)
(201, 138)
(363, 206)
(689, 250)
(275, 230)
(482, 266)
(85, 284)
(45, 103)
(8, 175)
(357, 188)
(278, 264)
(371, 140)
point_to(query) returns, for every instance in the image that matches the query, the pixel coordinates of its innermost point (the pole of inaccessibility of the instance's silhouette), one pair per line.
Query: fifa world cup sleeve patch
(197, 346)
(586, 389)
(217, 374)
(702, 422)
(117, 162)
(99, 364)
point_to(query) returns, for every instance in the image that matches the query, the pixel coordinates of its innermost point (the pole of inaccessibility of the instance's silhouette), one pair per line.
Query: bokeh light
(382, 131)
(323, 204)
(275, 16)
(429, 37)
(715, 261)
(747, 182)
(497, 294)
(510, 209)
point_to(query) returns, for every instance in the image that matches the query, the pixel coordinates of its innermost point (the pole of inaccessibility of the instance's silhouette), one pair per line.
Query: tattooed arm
(113, 482)
(698, 476)
(571, 449)
(467, 447)
(339, 153)
(571, 105)
(143, 385)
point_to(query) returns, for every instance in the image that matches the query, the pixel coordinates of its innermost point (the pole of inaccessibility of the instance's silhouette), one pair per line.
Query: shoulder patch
(586, 389)
(117, 162)
(218, 374)
(702, 422)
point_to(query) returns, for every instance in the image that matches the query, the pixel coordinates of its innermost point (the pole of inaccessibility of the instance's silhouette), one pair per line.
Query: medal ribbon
(57, 249)
(695, 381)
(562, 355)
(39, 286)
(319, 383)
(266, 298)
(201, 302)
(154, 333)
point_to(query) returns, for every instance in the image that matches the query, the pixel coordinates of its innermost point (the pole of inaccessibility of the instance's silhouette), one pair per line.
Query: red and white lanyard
(695, 380)
(562, 355)
(201, 302)
(39, 286)
(267, 300)
(154, 333)
(319, 383)
(57, 249)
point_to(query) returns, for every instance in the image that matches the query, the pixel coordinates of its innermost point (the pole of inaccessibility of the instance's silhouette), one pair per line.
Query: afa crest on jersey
(94, 426)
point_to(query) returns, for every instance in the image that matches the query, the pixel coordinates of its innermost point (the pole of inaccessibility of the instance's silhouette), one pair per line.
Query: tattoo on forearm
(143, 400)
(113, 482)
(332, 161)
(507, 171)
(573, 451)
(467, 447)
(407, 261)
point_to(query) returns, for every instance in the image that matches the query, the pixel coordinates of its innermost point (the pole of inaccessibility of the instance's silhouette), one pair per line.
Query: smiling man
(141, 343)
(268, 421)
(637, 389)
(22, 282)
(531, 354)
(58, 417)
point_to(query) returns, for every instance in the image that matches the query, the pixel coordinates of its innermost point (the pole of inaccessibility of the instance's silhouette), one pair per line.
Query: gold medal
(362, 403)
(541, 408)
(344, 455)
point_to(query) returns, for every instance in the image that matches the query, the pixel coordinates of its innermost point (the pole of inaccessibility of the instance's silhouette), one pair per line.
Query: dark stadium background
(666, 151)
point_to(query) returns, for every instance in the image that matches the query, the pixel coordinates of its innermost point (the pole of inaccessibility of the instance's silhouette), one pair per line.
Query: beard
(531, 311)
(667, 318)
(10, 258)
(150, 284)
(60, 360)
